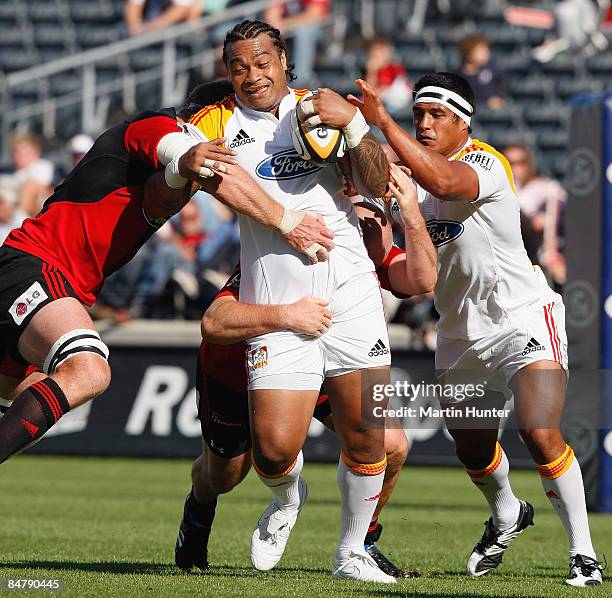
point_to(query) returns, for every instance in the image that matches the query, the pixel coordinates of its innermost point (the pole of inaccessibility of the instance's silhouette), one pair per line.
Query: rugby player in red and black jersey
(136, 175)
(223, 410)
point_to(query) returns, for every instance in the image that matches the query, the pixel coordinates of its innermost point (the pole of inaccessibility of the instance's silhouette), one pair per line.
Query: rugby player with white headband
(500, 323)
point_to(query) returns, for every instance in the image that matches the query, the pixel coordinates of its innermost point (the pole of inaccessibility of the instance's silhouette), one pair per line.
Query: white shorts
(357, 339)
(498, 357)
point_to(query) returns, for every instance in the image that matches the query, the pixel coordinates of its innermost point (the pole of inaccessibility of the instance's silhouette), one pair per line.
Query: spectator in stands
(142, 16)
(11, 216)
(75, 149)
(33, 174)
(387, 76)
(120, 298)
(304, 18)
(221, 250)
(174, 263)
(577, 28)
(477, 67)
(216, 35)
(542, 202)
(212, 7)
(222, 234)
(78, 146)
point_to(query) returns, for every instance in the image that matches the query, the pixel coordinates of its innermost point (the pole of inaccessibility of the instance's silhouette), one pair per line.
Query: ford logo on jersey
(285, 165)
(443, 231)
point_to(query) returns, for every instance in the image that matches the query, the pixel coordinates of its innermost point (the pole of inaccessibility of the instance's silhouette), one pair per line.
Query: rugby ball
(321, 144)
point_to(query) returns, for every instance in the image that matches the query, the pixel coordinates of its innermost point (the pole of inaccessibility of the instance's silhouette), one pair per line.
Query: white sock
(562, 482)
(360, 487)
(493, 482)
(285, 486)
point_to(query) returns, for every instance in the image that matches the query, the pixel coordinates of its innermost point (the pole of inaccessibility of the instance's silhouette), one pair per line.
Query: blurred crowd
(177, 273)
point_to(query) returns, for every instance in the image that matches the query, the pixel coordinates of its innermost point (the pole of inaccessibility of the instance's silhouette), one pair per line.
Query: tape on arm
(291, 219)
(169, 149)
(356, 130)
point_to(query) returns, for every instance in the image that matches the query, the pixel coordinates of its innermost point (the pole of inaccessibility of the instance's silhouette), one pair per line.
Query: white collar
(467, 144)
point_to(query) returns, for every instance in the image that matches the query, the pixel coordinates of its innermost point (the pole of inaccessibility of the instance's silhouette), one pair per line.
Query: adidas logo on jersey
(241, 139)
(532, 346)
(378, 349)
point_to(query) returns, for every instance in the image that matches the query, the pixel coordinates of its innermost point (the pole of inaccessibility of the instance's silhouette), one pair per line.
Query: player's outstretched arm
(161, 201)
(410, 272)
(305, 232)
(228, 321)
(368, 161)
(414, 272)
(443, 179)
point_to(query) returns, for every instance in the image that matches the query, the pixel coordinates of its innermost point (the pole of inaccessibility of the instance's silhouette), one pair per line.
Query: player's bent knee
(274, 455)
(84, 377)
(365, 447)
(365, 453)
(540, 437)
(72, 345)
(396, 447)
(273, 463)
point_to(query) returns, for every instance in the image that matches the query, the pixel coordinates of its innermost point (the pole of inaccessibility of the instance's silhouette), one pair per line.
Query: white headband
(453, 101)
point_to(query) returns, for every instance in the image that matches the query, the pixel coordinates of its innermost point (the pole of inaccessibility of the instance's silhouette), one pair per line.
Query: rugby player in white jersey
(286, 369)
(497, 315)
(221, 379)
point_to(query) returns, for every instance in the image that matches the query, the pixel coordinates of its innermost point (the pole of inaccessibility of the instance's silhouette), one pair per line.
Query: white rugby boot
(361, 567)
(272, 532)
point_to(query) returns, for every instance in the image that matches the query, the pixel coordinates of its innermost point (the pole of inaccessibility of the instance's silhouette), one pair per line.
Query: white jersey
(272, 272)
(486, 281)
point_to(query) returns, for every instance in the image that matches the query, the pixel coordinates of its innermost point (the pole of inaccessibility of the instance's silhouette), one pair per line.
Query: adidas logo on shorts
(378, 349)
(532, 346)
(242, 138)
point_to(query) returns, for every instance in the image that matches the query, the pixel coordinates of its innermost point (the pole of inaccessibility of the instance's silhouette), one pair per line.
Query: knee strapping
(81, 340)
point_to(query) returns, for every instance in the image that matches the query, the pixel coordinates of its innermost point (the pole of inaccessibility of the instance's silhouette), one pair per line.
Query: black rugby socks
(32, 413)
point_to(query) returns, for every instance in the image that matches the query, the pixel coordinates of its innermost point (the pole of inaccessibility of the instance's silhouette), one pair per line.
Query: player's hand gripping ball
(315, 142)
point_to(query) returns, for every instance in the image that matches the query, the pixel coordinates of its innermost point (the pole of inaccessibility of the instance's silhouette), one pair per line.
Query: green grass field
(107, 527)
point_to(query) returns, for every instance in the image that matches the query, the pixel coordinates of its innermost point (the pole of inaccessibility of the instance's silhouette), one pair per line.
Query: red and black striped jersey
(93, 223)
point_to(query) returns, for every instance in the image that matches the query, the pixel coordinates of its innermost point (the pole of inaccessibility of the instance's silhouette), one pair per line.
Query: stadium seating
(36, 31)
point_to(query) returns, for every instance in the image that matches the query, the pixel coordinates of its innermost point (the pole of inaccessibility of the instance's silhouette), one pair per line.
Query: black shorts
(224, 416)
(26, 284)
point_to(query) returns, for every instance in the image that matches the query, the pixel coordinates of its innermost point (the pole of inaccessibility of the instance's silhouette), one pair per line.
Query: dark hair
(451, 81)
(469, 43)
(250, 30)
(205, 94)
